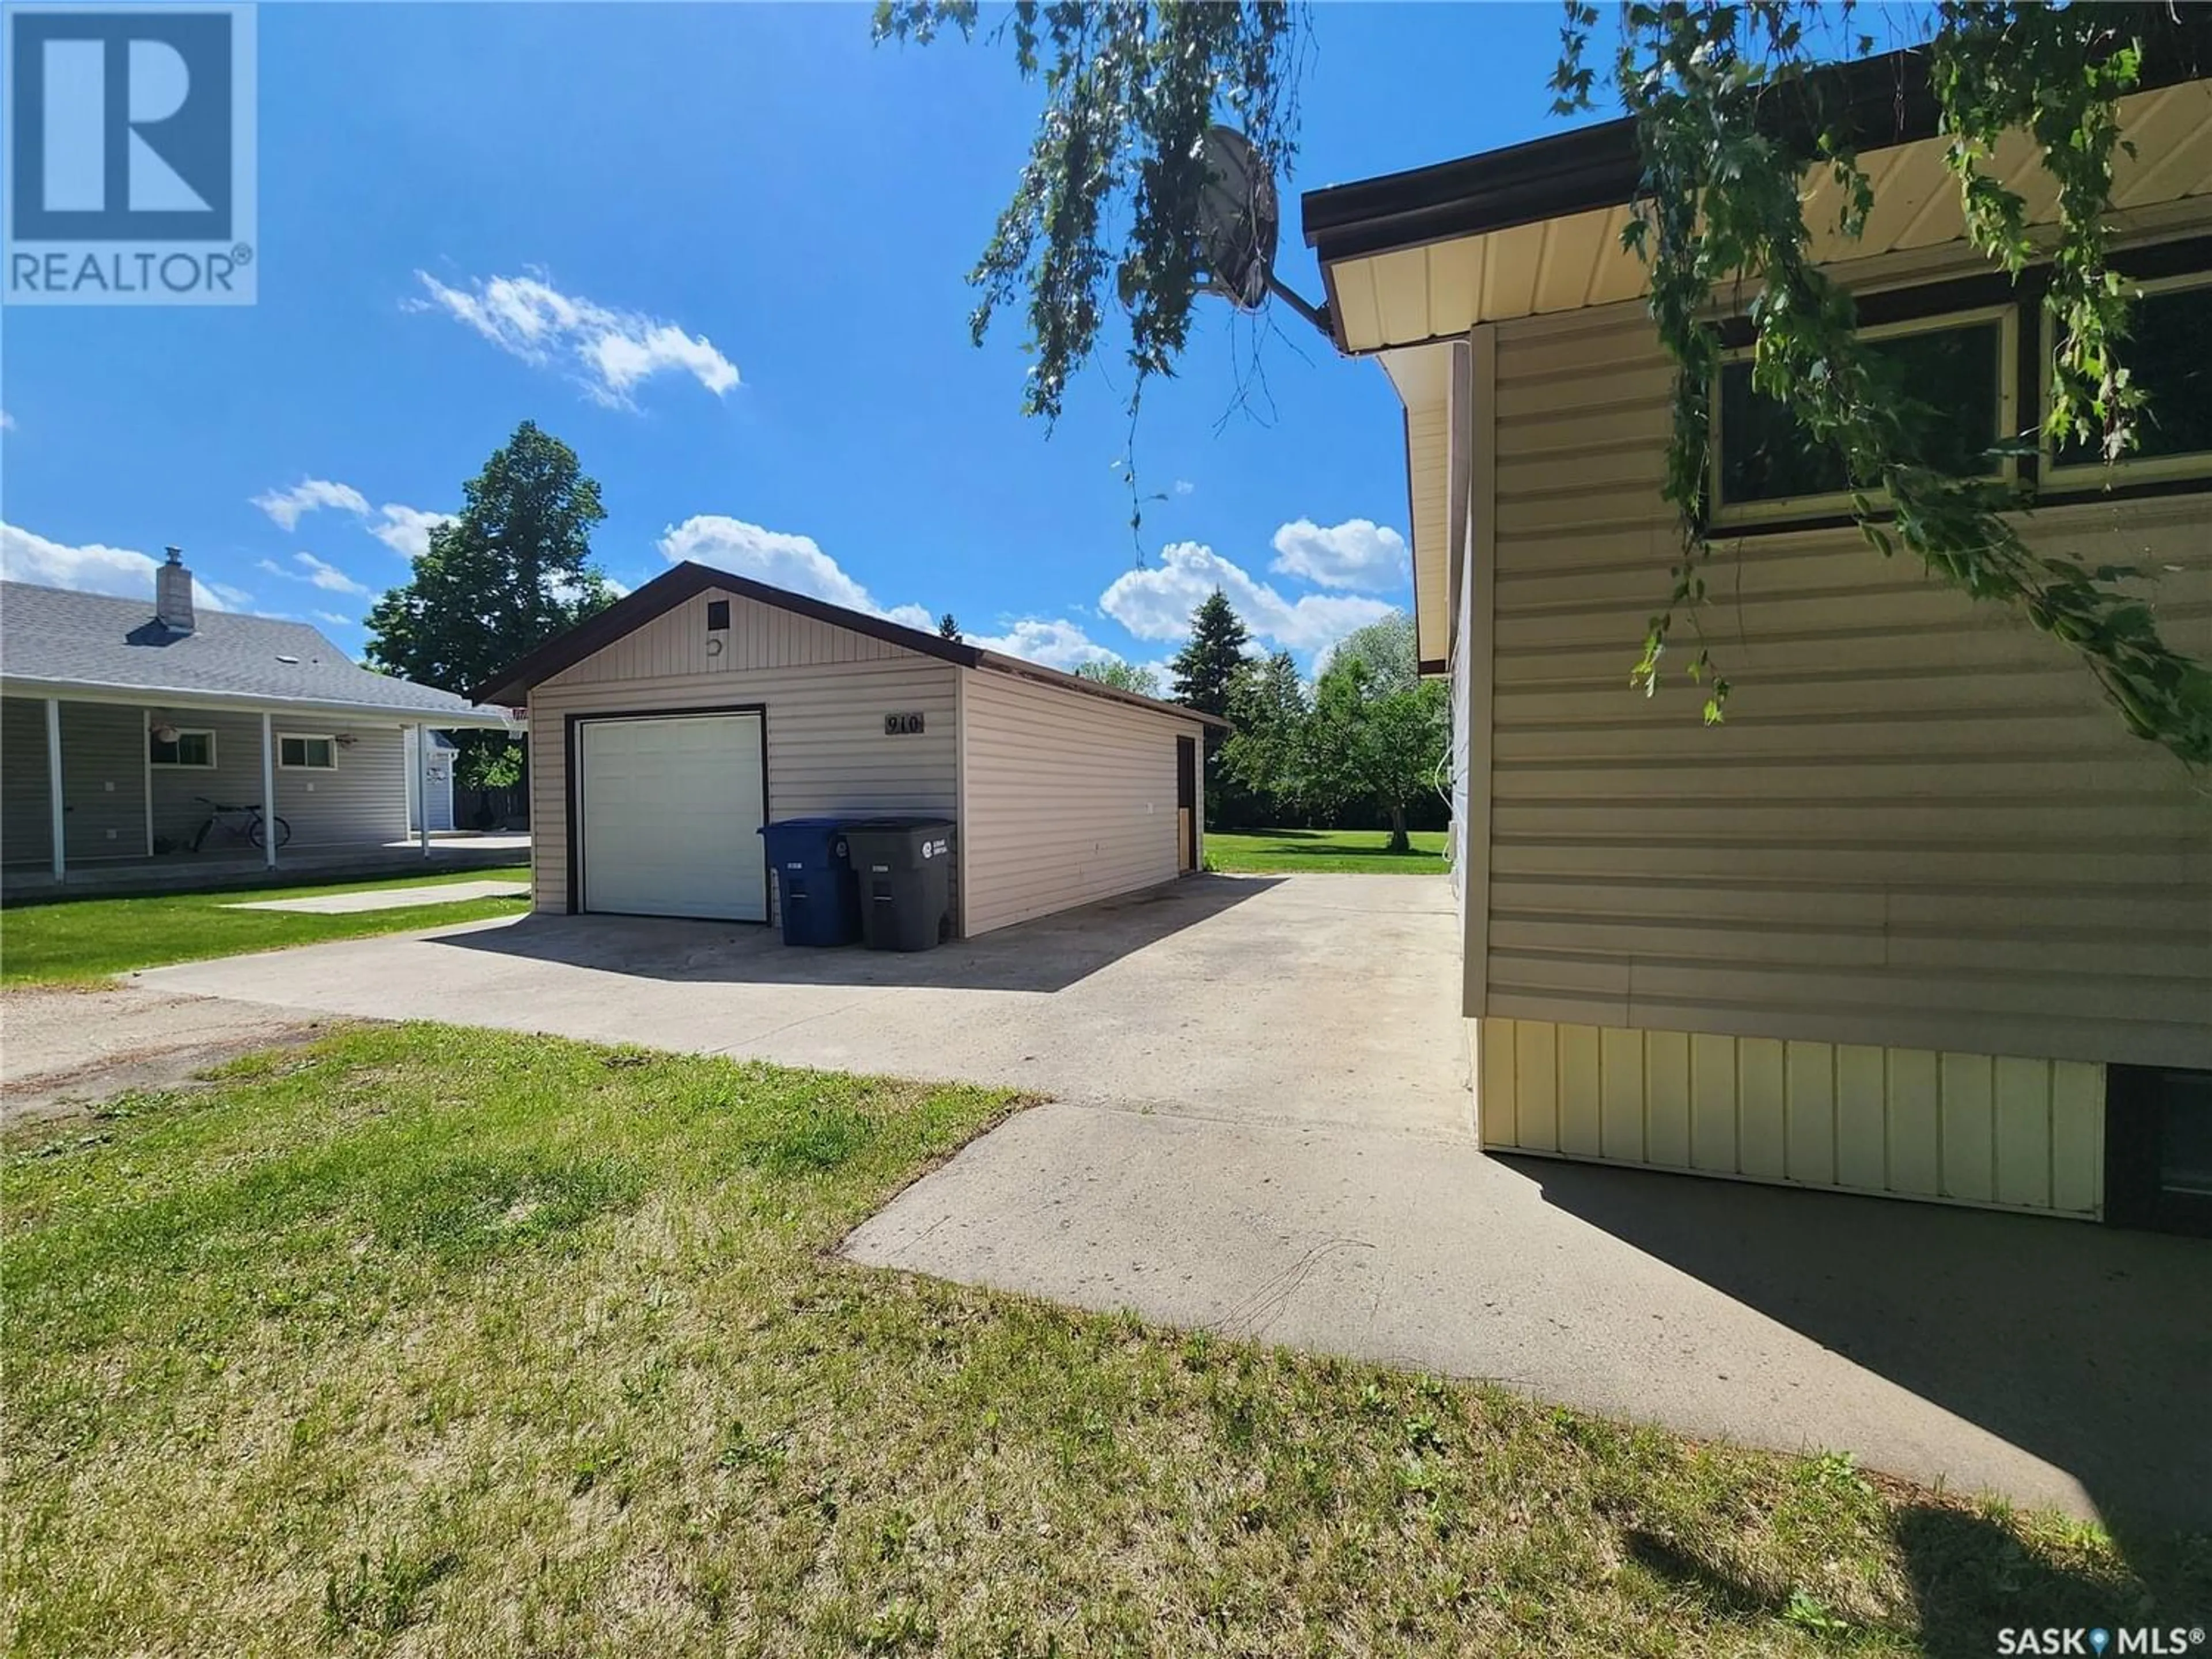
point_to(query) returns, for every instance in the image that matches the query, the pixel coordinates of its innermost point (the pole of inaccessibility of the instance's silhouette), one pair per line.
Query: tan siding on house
(1069, 798)
(1920, 828)
(826, 690)
(2004, 1132)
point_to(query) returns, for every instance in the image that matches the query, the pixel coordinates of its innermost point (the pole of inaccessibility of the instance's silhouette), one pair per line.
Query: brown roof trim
(1877, 101)
(512, 684)
(997, 662)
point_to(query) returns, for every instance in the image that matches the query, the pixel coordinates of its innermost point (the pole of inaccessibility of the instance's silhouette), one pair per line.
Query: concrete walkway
(2055, 1363)
(389, 898)
(1261, 1125)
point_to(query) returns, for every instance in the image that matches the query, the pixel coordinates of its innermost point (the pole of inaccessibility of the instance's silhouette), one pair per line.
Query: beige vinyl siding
(1068, 798)
(1428, 466)
(1921, 826)
(2004, 1132)
(826, 691)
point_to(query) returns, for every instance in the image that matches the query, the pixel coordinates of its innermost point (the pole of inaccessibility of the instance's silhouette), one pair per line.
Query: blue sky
(721, 250)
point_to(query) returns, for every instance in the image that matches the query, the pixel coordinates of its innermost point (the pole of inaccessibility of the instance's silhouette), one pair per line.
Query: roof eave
(512, 684)
(1876, 102)
(1021, 668)
(171, 696)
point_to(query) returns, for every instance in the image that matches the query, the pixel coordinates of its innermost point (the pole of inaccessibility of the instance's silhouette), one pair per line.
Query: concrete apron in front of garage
(1260, 1126)
(1321, 998)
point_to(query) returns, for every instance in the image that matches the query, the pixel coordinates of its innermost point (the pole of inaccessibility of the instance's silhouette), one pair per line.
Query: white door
(670, 811)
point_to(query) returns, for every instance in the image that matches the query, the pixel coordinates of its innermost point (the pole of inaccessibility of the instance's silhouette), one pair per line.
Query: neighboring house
(672, 725)
(120, 720)
(433, 781)
(1921, 918)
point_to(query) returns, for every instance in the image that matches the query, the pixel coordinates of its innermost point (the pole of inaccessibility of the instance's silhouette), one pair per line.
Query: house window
(167, 746)
(2168, 354)
(311, 754)
(1956, 376)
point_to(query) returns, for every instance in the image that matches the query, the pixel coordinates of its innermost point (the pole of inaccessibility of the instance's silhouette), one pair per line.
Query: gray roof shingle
(60, 637)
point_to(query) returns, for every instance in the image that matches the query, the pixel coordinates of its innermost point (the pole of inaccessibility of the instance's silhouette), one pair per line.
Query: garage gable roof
(512, 684)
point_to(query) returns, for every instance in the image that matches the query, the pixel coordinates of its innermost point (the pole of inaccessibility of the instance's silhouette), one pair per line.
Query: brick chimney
(173, 594)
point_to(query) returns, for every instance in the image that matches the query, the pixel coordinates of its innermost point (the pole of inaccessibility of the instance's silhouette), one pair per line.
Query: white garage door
(671, 810)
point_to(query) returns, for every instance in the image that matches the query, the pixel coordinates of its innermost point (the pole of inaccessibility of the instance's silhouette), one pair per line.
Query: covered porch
(111, 792)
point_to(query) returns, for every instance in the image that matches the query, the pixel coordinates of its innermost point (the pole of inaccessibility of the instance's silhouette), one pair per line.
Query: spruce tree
(1207, 668)
(1206, 671)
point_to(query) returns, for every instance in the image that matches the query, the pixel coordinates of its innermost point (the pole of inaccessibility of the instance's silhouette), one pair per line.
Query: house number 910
(902, 726)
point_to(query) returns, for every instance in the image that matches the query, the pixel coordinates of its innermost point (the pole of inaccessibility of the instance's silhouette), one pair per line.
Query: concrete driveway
(1315, 999)
(1260, 1125)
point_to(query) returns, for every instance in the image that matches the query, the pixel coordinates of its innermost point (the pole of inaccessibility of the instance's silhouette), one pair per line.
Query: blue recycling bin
(816, 888)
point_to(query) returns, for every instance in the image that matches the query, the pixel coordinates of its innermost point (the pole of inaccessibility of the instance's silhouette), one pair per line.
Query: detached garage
(669, 728)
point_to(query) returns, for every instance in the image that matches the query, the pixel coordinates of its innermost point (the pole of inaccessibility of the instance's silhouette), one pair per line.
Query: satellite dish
(1238, 223)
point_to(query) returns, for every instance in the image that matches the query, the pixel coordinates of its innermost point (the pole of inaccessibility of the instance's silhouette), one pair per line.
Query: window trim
(183, 732)
(2078, 476)
(1791, 512)
(283, 737)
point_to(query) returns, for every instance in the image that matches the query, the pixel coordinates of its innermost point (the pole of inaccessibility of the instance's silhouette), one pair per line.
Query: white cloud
(333, 617)
(329, 577)
(781, 560)
(566, 592)
(1357, 554)
(95, 568)
(289, 507)
(1155, 603)
(1184, 486)
(406, 530)
(321, 574)
(608, 351)
(1056, 644)
(7, 422)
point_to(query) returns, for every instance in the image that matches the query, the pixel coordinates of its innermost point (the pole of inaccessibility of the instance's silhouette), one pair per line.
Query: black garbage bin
(818, 893)
(905, 866)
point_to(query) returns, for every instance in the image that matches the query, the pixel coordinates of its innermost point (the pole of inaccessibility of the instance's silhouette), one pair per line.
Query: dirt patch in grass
(450, 1341)
(68, 1048)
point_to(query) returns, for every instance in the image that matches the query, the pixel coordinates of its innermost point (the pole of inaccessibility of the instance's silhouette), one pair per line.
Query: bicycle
(245, 823)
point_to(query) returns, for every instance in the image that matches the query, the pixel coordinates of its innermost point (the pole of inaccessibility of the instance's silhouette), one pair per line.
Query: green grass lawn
(77, 939)
(491, 1344)
(1272, 852)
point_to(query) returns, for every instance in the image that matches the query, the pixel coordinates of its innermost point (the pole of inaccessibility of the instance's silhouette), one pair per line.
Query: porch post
(268, 793)
(146, 772)
(56, 806)
(422, 787)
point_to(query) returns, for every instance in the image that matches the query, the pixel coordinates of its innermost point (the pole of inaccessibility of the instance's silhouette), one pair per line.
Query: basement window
(181, 749)
(2168, 353)
(2158, 1148)
(1956, 375)
(297, 752)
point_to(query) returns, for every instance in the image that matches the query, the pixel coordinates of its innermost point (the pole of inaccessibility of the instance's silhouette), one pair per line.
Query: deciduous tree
(1125, 677)
(509, 573)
